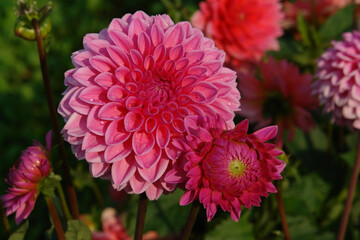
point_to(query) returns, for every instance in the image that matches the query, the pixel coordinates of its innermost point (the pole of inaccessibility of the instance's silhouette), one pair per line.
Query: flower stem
(63, 202)
(54, 121)
(140, 219)
(191, 220)
(55, 218)
(350, 196)
(5, 220)
(279, 143)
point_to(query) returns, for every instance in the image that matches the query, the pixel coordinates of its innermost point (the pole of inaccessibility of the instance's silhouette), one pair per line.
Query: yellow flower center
(236, 168)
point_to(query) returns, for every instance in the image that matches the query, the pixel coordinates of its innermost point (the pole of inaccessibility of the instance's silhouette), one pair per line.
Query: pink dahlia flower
(244, 29)
(282, 97)
(228, 168)
(24, 179)
(132, 86)
(338, 84)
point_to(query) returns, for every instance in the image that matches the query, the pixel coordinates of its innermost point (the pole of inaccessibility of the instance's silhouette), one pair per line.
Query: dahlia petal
(144, 43)
(172, 152)
(142, 142)
(150, 124)
(133, 121)
(149, 63)
(208, 90)
(122, 171)
(136, 58)
(105, 79)
(121, 74)
(81, 58)
(102, 63)
(76, 125)
(89, 37)
(118, 152)
(137, 26)
(210, 211)
(176, 52)
(118, 56)
(121, 40)
(187, 198)
(212, 66)
(24, 211)
(93, 143)
(159, 53)
(116, 133)
(94, 123)
(189, 81)
(205, 195)
(84, 75)
(195, 56)
(197, 71)
(162, 136)
(178, 125)
(98, 169)
(266, 133)
(94, 157)
(149, 159)
(153, 173)
(197, 97)
(355, 92)
(117, 93)
(153, 192)
(173, 36)
(112, 111)
(77, 104)
(174, 176)
(157, 35)
(93, 95)
(181, 64)
(133, 103)
(97, 46)
(223, 110)
(118, 23)
(138, 184)
(194, 42)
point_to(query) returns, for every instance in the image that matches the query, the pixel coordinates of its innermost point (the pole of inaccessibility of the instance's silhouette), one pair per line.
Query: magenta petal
(136, 57)
(76, 125)
(138, 184)
(162, 136)
(122, 171)
(150, 124)
(155, 172)
(117, 93)
(93, 143)
(112, 111)
(105, 79)
(213, 67)
(173, 36)
(122, 74)
(94, 95)
(102, 63)
(116, 133)
(98, 169)
(133, 121)
(143, 43)
(118, 56)
(195, 56)
(121, 40)
(94, 123)
(142, 142)
(149, 159)
(97, 46)
(172, 152)
(208, 90)
(174, 176)
(77, 104)
(176, 52)
(154, 192)
(157, 35)
(266, 133)
(84, 75)
(118, 152)
(188, 197)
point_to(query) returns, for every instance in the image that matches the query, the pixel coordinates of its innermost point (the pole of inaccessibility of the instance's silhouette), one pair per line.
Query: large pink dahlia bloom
(24, 179)
(244, 29)
(338, 84)
(228, 168)
(282, 97)
(132, 86)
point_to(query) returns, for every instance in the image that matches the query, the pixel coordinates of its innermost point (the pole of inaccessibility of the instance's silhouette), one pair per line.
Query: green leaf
(48, 185)
(338, 23)
(77, 230)
(230, 230)
(19, 234)
(303, 30)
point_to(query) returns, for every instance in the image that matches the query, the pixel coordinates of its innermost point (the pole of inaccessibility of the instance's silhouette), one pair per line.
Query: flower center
(276, 105)
(236, 168)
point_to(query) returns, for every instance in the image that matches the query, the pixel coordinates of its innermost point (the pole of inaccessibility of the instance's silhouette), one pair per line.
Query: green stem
(350, 196)
(191, 220)
(97, 193)
(5, 220)
(55, 218)
(54, 120)
(63, 202)
(140, 220)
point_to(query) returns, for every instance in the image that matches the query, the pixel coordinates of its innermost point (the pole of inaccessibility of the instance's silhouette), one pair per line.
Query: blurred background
(315, 180)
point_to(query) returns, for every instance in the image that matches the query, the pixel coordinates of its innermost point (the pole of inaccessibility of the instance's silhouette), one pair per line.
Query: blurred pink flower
(228, 168)
(338, 84)
(113, 228)
(132, 86)
(244, 29)
(282, 97)
(24, 179)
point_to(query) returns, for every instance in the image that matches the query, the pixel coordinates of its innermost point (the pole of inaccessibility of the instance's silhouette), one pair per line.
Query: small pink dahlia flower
(229, 168)
(24, 179)
(244, 29)
(338, 84)
(132, 86)
(283, 97)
